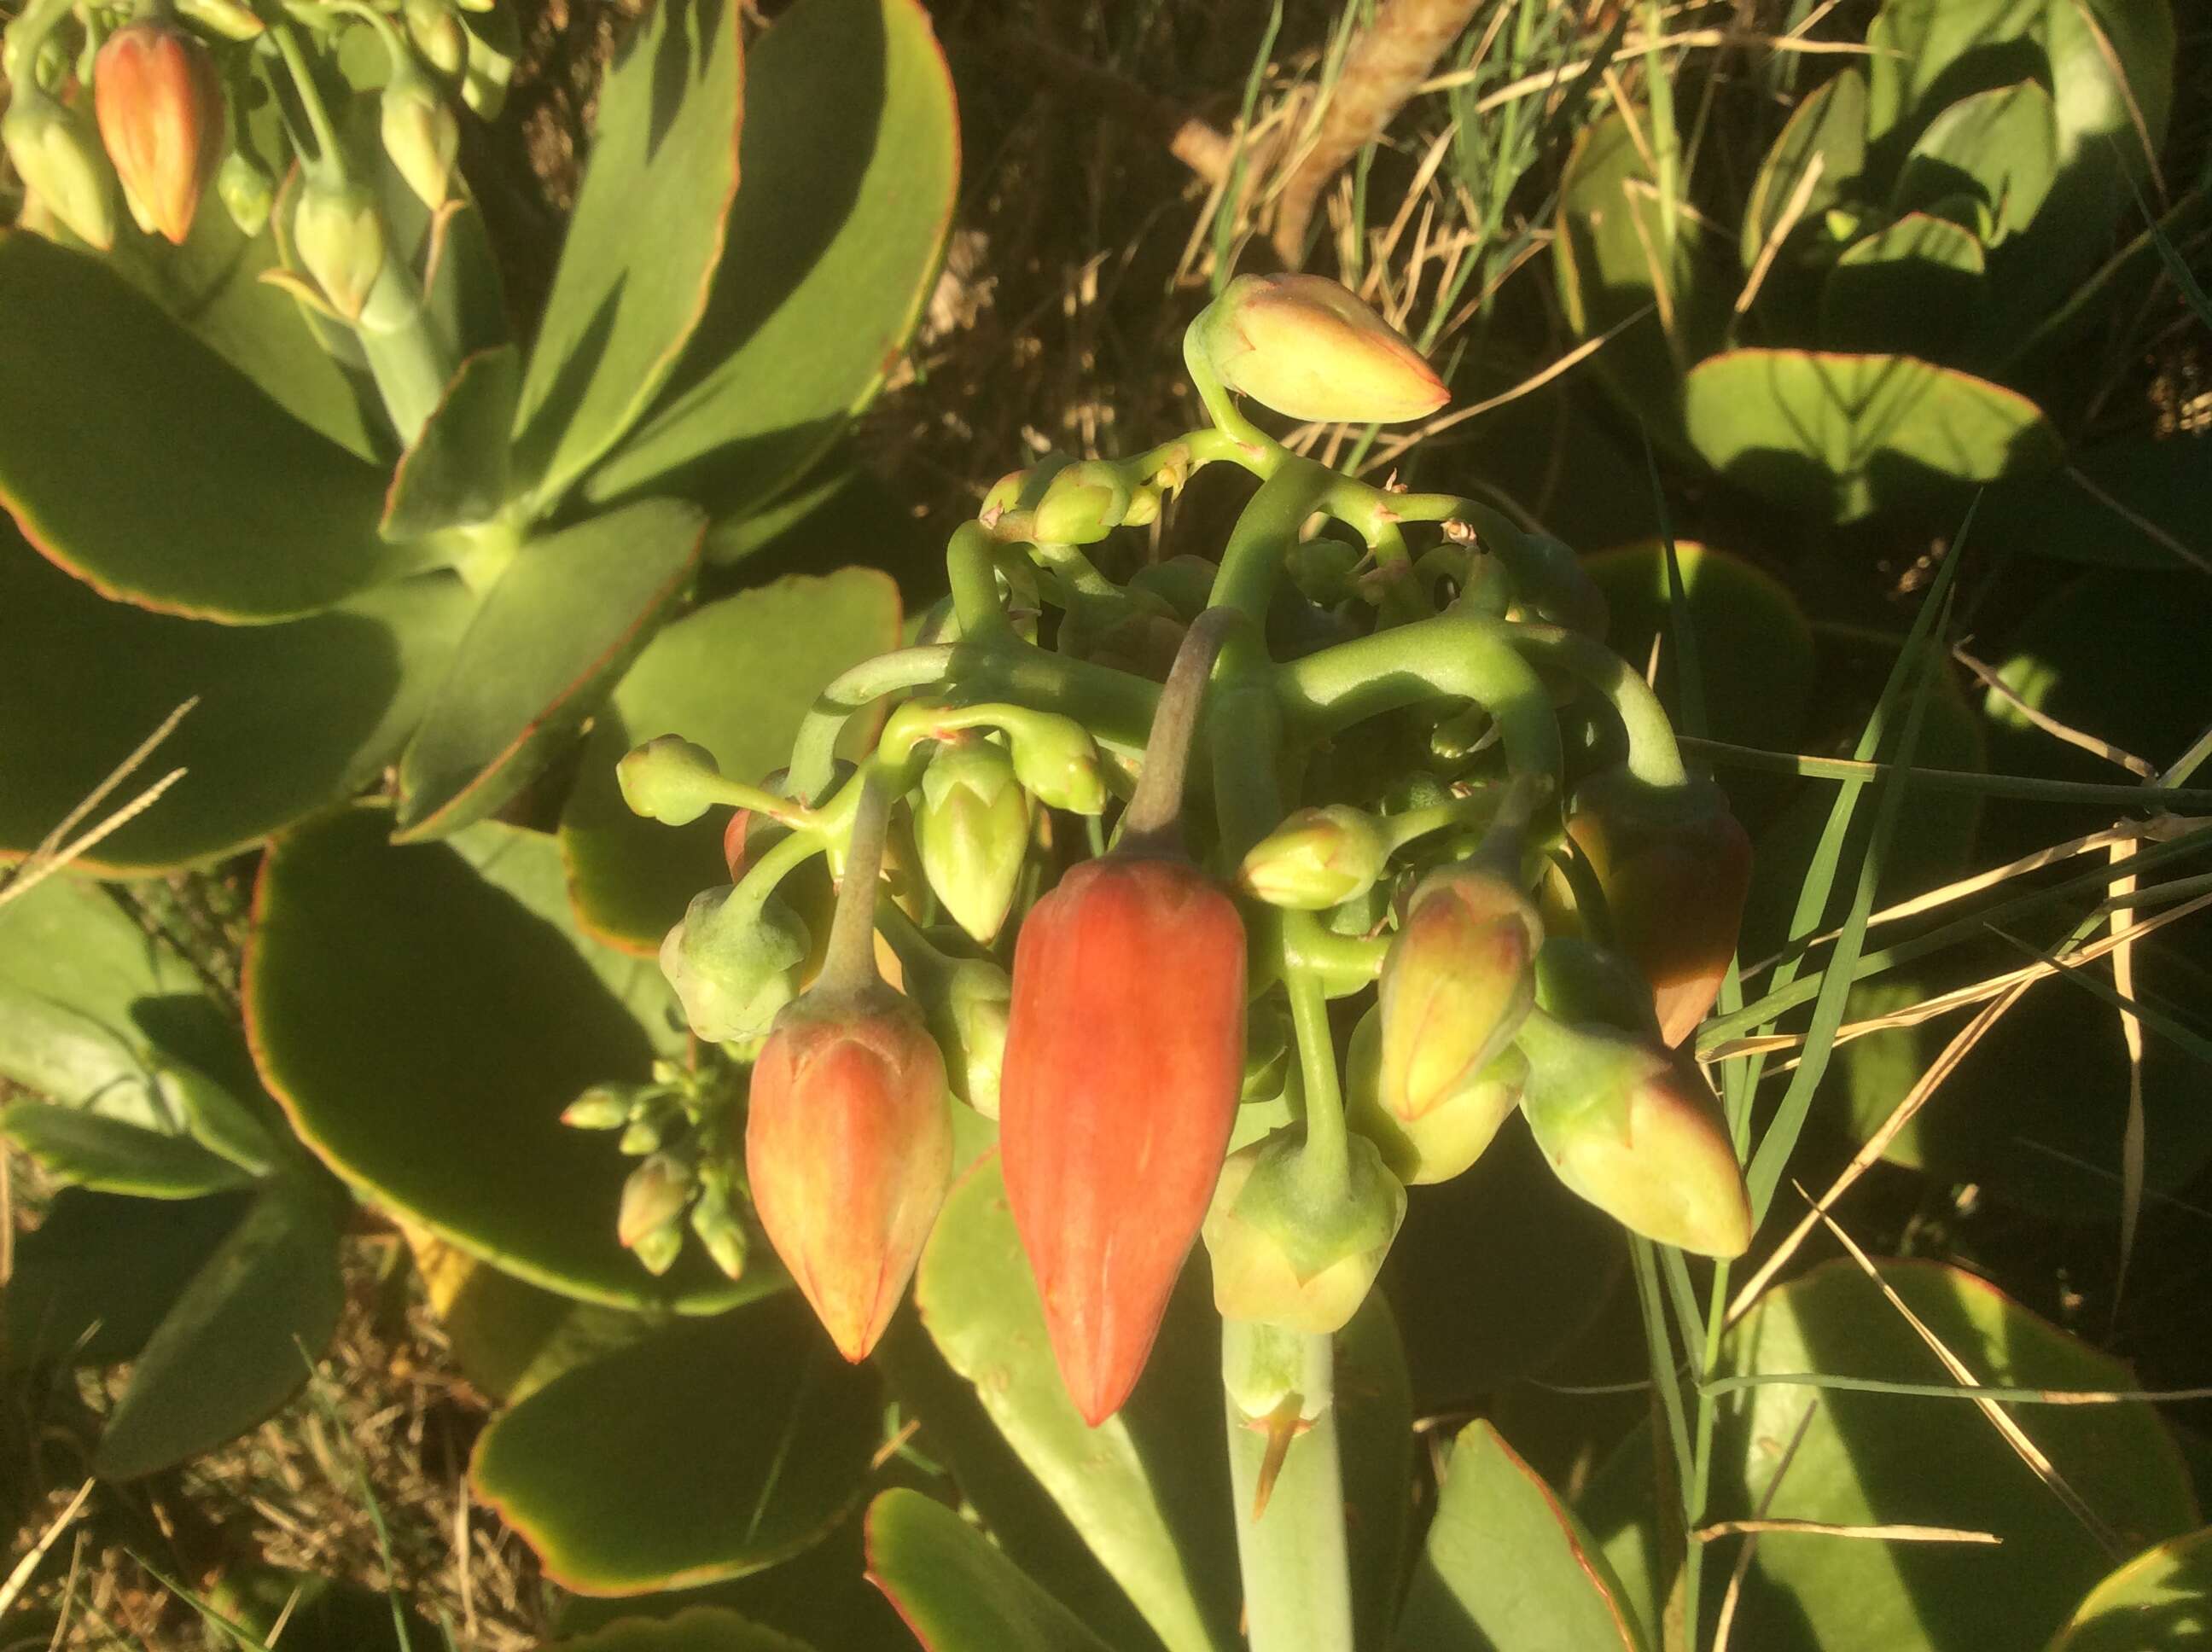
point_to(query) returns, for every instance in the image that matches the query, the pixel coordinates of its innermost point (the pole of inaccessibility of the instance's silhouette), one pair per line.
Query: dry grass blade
(23, 1569)
(1876, 1145)
(2131, 1034)
(2000, 1420)
(2139, 522)
(1792, 210)
(2079, 739)
(1386, 66)
(1687, 39)
(1734, 1592)
(51, 855)
(1823, 1528)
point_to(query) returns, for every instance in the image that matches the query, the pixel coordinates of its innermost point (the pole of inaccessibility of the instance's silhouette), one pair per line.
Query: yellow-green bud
(1307, 347)
(338, 230)
(670, 780)
(653, 1196)
(420, 134)
(1456, 984)
(1081, 505)
(602, 1107)
(733, 963)
(1450, 1137)
(973, 833)
(60, 157)
(1057, 759)
(1317, 858)
(436, 30)
(968, 1006)
(246, 191)
(1286, 1255)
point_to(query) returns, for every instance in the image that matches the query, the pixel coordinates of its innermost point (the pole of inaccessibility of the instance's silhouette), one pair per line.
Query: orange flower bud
(848, 1144)
(1456, 985)
(159, 103)
(1124, 1060)
(1676, 867)
(1307, 347)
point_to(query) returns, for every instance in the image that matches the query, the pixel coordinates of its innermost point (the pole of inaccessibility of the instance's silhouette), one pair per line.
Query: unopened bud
(658, 1249)
(1286, 1254)
(967, 1005)
(1636, 1131)
(338, 231)
(1317, 858)
(1307, 347)
(436, 31)
(1057, 759)
(653, 1196)
(420, 134)
(1081, 504)
(1676, 867)
(1456, 984)
(159, 101)
(1448, 1139)
(848, 1145)
(731, 964)
(972, 833)
(55, 151)
(718, 1227)
(672, 780)
(600, 1108)
(246, 191)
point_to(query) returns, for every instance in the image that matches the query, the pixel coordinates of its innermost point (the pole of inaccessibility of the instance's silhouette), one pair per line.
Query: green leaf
(425, 1013)
(1829, 125)
(735, 677)
(2138, 502)
(647, 231)
(456, 473)
(289, 717)
(698, 1629)
(1882, 1459)
(1507, 1567)
(1840, 436)
(709, 1450)
(138, 459)
(1154, 1510)
(2160, 1602)
(94, 1279)
(212, 286)
(83, 1149)
(1911, 286)
(564, 620)
(851, 162)
(2001, 145)
(231, 1350)
(316, 1614)
(956, 1592)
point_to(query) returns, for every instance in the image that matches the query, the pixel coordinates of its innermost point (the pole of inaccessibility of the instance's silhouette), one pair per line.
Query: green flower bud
(436, 30)
(1637, 1132)
(420, 134)
(733, 963)
(1450, 1137)
(1307, 347)
(977, 1000)
(338, 231)
(972, 832)
(1056, 759)
(670, 780)
(1317, 858)
(653, 1196)
(718, 1227)
(658, 1249)
(1287, 1255)
(1081, 505)
(603, 1106)
(246, 191)
(1457, 983)
(642, 1134)
(60, 158)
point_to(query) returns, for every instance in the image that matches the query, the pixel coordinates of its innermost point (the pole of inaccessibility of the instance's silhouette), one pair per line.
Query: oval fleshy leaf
(83, 1149)
(230, 1351)
(1828, 125)
(1868, 1459)
(2140, 503)
(138, 459)
(2001, 145)
(382, 987)
(2160, 1602)
(851, 162)
(1840, 436)
(709, 1450)
(1911, 286)
(290, 718)
(643, 243)
(735, 677)
(1375, 1449)
(1507, 1564)
(695, 1629)
(456, 473)
(94, 1279)
(1155, 1512)
(955, 1591)
(568, 615)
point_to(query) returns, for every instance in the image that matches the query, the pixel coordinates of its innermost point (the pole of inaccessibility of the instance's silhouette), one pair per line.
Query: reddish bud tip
(848, 1144)
(159, 101)
(1457, 984)
(1125, 1052)
(1306, 346)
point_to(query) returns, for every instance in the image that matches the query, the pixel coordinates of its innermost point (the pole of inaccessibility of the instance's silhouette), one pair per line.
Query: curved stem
(968, 568)
(1153, 823)
(1324, 1162)
(1252, 560)
(1653, 756)
(814, 752)
(311, 97)
(1261, 452)
(849, 963)
(1459, 655)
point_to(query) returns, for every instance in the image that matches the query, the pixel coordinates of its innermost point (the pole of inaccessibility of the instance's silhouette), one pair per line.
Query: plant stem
(1653, 755)
(1324, 1163)
(1252, 560)
(849, 963)
(1152, 822)
(1296, 1572)
(1261, 452)
(814, 752)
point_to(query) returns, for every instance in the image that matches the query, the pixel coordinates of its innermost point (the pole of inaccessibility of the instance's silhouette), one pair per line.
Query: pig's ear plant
(269, 436)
